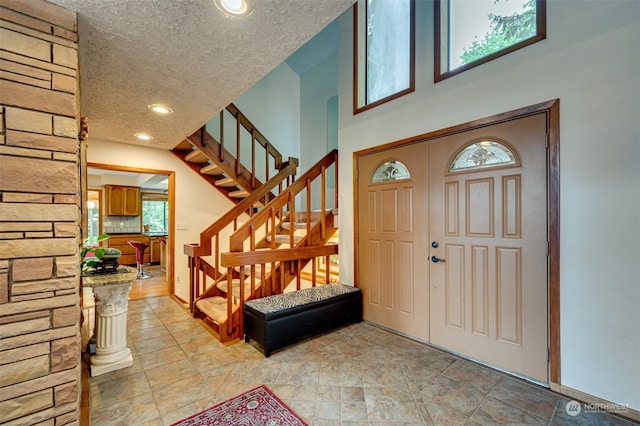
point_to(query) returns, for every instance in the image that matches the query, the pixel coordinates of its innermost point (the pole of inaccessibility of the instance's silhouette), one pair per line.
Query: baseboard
(595, 403)
(179, 299)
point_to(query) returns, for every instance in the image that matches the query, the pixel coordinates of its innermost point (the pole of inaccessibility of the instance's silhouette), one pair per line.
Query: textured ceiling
(182, 53)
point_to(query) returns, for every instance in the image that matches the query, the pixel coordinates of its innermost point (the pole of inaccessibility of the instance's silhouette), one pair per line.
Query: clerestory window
(470, 33)
(383, 51)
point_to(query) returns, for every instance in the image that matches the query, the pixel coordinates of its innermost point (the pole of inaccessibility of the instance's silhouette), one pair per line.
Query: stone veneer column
(39, 215)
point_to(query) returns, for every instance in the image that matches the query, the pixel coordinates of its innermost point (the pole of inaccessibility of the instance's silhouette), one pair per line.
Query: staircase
(219, 162)
(270, 239)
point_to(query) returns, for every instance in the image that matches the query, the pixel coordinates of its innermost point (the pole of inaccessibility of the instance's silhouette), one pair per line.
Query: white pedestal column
(111, 293)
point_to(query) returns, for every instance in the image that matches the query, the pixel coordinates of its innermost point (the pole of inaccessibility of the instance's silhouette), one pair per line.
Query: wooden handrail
(236, 240)
(286, 259)
(232, 165)
(259, 137)
(216, 151)
(204, 248)
(232, 259)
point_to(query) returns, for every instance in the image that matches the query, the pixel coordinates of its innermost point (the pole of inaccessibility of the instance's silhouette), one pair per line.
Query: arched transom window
(483, 154)
(390, 170)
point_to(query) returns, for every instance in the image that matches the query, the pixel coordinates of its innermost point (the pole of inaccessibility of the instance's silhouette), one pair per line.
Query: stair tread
(247, 269)
(183, 146)
(227, 181)
(196, 156)
(284, 238)
(211, 169)
(296, 225)
(241, 193)
(235, 287)
(315, 215)
(214, 307)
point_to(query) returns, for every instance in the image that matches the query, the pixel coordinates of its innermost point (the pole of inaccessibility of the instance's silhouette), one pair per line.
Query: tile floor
(357, 375)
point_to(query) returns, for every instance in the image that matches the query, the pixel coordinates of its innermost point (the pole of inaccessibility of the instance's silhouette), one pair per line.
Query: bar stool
(140, 248)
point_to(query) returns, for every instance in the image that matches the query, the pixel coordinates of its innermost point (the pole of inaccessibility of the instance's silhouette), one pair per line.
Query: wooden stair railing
(283, 264)
(199, 271)
(283, 208)
(209, 244)
(224, 169)
(286, 264)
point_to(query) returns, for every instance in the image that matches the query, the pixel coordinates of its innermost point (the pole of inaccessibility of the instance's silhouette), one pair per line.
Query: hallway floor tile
(356, 375)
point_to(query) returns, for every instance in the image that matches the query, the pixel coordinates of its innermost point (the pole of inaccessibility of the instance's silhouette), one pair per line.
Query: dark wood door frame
(552, 111)
(171, 186)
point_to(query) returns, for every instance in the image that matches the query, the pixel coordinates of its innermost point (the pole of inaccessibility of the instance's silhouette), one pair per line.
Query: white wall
(197, 204)
(273, 106)
(591, 62)
(318, 84)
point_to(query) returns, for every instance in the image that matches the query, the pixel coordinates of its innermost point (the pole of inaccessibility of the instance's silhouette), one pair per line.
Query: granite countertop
(146, 234)
(124, 275)
(154, 233)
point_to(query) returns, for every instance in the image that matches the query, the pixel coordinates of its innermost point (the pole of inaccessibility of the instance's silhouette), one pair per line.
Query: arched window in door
(390, 170)
(484, 154)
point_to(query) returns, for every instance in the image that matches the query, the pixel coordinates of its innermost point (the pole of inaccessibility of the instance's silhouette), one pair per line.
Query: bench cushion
(280, 320)
(284, 304)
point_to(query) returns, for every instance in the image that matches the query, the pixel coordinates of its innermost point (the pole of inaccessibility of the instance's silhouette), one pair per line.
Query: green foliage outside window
(154, 214)
(505, 31)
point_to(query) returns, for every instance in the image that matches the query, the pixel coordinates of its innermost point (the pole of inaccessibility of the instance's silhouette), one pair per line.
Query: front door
(488, 275)
(481, 244)
(392, 207)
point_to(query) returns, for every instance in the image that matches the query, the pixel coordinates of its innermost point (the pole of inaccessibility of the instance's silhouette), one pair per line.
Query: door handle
(436, 259)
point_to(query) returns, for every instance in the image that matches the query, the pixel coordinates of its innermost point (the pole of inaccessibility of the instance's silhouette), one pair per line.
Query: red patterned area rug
(257, 407)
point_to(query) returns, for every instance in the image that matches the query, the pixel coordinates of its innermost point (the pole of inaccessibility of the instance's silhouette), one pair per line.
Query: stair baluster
(256, 272)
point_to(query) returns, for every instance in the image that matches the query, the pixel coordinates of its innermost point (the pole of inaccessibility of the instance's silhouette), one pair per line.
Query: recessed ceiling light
(160, 109)
(235, 7)
(143, 136)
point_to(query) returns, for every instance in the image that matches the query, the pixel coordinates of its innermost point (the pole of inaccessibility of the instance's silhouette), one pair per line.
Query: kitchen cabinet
(155, 250)
(122, 200)
(163, 254)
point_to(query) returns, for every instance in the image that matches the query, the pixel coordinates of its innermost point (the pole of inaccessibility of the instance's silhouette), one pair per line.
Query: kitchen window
(155, 208)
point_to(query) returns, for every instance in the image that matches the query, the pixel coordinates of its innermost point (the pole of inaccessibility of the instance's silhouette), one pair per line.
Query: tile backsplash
(121, 224)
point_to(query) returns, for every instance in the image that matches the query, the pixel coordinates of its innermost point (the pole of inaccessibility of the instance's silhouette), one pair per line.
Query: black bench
(280, 320)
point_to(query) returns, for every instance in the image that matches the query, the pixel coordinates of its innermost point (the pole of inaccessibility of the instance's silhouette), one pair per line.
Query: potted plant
(97, 252)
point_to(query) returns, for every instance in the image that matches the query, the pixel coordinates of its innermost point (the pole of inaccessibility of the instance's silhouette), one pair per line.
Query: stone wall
(39, 215)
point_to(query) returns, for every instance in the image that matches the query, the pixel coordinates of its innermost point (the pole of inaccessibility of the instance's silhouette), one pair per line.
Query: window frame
(157, 198)
(439, 25)
(356, 69)
(100, 202)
